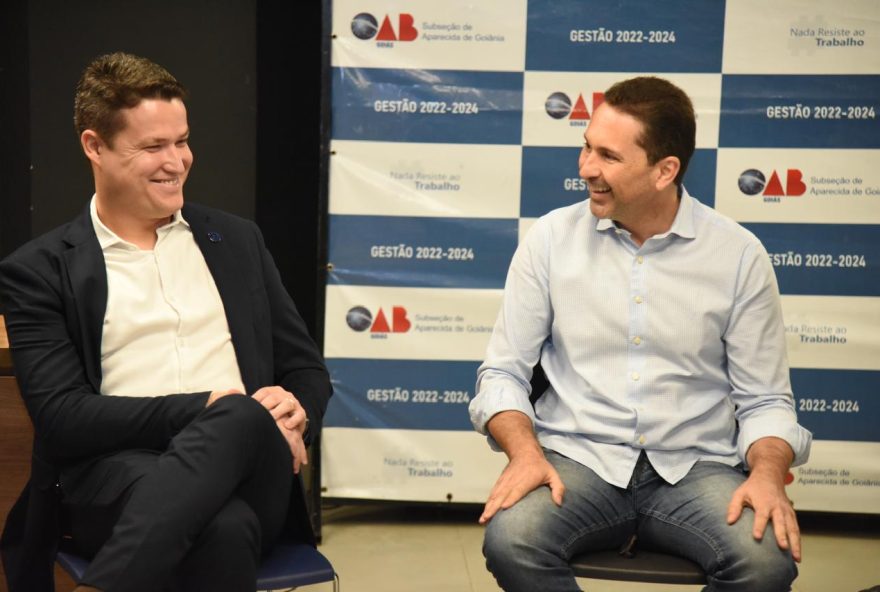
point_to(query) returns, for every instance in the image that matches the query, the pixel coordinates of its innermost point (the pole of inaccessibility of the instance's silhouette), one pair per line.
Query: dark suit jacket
(55, 296)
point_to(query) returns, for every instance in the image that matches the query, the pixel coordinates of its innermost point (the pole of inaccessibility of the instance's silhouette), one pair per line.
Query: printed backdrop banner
(456, 124)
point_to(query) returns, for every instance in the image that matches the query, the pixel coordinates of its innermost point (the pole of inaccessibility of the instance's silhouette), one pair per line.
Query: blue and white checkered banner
(456, 124)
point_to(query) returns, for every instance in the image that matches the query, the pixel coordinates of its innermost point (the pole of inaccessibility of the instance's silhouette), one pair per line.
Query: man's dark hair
(665, 112)
(119, 81)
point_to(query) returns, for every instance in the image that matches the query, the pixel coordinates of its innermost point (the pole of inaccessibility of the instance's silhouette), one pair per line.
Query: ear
(666, 169)
(92, 145)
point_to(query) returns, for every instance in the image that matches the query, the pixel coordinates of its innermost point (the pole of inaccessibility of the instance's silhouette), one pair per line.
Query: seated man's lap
(96, 493)
(687, 519)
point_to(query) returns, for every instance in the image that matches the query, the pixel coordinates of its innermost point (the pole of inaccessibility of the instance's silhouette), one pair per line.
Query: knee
(245, 415)
(514, 537)
(760, 567)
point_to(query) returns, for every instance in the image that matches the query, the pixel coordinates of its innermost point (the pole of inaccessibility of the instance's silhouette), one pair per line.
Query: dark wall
(15, 218)
(209, 46)
(254, 111)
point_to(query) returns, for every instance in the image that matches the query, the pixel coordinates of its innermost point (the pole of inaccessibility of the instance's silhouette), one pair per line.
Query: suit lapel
(88, 285)
(225, 256)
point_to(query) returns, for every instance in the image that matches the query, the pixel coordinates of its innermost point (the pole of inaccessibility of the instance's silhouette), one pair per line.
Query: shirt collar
(682, 225)
(107, 238)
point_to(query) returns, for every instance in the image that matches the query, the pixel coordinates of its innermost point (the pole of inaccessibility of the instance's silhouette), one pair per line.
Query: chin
(600, 211)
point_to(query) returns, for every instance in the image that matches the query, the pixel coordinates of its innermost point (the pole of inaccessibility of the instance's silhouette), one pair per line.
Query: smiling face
(140, 173)
(624, 186)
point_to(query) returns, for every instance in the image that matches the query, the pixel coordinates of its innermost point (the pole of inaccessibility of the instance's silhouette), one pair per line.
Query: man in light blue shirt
(669, 412)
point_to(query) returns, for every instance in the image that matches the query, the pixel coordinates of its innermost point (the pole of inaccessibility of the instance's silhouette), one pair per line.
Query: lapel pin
(214, 237)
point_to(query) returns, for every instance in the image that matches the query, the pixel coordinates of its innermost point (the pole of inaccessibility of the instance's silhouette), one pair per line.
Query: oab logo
(559, 106)
(365, 26)
(753, 182)
(359, 319)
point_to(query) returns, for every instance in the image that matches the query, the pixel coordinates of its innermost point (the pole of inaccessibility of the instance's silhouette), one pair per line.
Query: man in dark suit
(136, 329)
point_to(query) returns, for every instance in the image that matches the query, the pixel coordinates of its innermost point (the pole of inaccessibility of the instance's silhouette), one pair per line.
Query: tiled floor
(395, 548)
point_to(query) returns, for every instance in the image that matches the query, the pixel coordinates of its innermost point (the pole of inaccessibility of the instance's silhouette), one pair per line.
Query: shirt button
(635, 375)
(638, 299)
(642, 439)
(637, 340)
(640, 259)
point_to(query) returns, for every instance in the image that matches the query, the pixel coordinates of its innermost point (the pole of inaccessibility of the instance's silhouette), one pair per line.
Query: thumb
(557, 488)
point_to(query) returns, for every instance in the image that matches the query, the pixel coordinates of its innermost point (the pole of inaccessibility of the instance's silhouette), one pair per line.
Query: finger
(760, 525)
(557, 488)
(295, 420)
(794, 539)
(282, 408)
(496, 496)
(734, 508)
(780, 528)
(261, 394)
(489, 510)
(299, 455)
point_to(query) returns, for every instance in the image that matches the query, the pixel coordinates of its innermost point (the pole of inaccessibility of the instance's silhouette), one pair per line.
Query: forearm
(770, 456)
(513, 432)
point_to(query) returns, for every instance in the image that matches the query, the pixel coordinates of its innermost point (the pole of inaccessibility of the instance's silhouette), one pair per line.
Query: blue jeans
(528, 546)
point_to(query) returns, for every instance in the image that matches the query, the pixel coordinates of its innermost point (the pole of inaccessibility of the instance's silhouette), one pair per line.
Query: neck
(656, 218)
(139, 232)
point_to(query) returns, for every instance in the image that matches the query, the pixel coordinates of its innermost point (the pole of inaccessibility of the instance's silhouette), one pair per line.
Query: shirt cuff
(494, 400)
(778, 424)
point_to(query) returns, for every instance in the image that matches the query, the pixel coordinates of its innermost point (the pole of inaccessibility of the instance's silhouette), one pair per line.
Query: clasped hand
(289, 416)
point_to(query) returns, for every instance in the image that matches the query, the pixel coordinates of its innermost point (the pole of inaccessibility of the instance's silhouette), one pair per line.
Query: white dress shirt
(165, 328)
(676, 347)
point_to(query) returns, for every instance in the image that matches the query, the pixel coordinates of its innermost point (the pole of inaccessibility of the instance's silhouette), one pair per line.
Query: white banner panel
(432, 35)
(801, 37)
(410, 179)
(808, 186)
(525, 224)
(833, 332)
(423, 465)
(409, 323)
(557, 106)
(840, 476)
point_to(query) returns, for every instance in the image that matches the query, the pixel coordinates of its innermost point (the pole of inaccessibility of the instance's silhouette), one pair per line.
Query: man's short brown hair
(665, 112)
(119, 81)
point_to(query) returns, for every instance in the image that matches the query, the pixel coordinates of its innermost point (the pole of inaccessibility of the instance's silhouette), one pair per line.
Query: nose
(176, 158)
(587, 165)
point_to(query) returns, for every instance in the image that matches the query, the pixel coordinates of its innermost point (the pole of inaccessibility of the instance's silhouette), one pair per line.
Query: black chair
(643, 566)
(288, 566)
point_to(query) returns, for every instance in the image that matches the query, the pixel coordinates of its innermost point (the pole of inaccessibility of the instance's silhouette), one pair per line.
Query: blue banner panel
(838, 404)
(800, 111)
(823, 259)
(550, 179)
(421, 251)
(699, 180)
(625, 36)
(444, 106)
(400, 394)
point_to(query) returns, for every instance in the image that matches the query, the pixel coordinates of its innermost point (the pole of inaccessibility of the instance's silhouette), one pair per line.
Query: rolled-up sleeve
(522, 326)
(757, 360)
